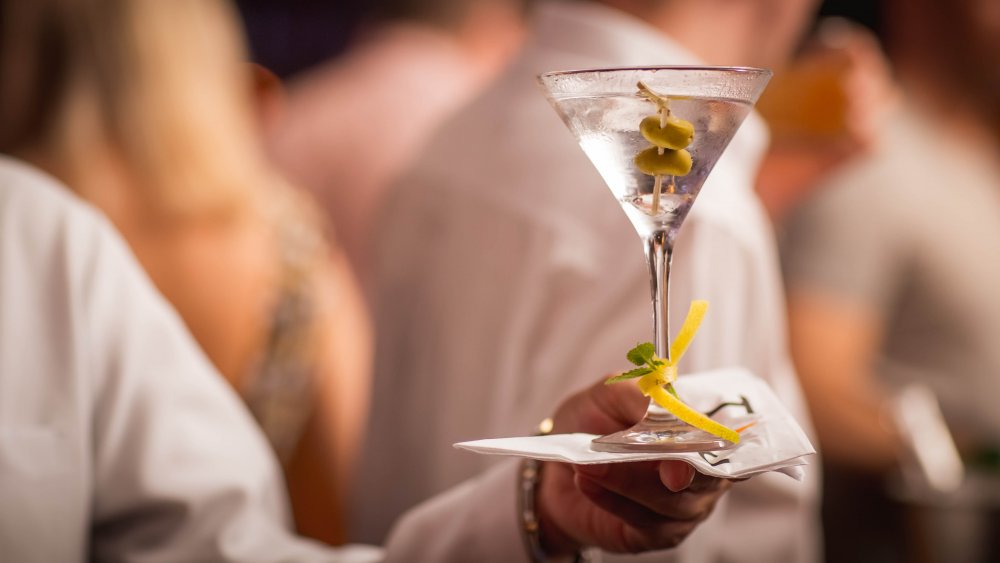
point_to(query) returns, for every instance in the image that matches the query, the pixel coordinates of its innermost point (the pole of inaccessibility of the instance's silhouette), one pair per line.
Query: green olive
(676, 134)
(670, 163)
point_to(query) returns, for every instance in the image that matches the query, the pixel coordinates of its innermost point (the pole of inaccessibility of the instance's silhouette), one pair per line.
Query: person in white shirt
(507, 273)
(351, 125)
(120, 442)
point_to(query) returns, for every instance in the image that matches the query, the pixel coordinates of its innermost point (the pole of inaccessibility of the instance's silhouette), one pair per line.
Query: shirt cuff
(475, 521)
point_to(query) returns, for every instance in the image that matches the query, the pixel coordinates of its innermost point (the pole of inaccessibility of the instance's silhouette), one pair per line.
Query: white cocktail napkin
(775, 442)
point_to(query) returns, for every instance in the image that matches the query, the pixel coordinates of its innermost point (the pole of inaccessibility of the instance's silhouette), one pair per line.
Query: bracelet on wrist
(528, 479)
(530, 529)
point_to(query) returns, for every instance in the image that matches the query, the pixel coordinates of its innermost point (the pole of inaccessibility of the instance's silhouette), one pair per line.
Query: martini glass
(603, 109)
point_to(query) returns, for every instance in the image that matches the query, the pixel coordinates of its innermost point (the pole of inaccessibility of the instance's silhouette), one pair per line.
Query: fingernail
(594, 471)
(676, 476)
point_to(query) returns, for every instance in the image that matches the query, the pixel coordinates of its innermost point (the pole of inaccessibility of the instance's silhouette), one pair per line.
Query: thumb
(601, 409)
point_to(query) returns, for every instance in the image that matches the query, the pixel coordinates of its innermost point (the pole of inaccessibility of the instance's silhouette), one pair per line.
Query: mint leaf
(641, 354)
(631, 374)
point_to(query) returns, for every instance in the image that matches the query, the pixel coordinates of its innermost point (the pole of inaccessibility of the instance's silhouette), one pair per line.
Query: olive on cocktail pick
(669, 136)
(675, 134)
(666, 163)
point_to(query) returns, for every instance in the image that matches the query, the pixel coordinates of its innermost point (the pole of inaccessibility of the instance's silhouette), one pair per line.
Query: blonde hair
(161, 80)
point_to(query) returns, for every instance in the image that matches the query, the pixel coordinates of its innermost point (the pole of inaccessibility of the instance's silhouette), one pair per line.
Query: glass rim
(692, 68)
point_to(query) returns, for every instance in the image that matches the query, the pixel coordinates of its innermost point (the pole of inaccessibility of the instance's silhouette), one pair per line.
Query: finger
(629, 511)
(666, 536)
(674, 473)
(623, 526)
(623, 404)
(706, 483)
(641, 483)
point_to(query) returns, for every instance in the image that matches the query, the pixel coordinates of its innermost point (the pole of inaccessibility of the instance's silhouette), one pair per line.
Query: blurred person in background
(824, 110)
(506, 271)
(349, 127)
(145, 109)
(118, 439)
(892, 267)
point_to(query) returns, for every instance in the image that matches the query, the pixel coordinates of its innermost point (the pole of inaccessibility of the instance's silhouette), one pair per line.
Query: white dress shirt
(120, 442)
(117, 439)
(508, 276)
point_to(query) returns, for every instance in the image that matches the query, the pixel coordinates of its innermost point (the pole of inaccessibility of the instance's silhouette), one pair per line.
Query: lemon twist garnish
(669, 136)
(676, 407)
(656, 376)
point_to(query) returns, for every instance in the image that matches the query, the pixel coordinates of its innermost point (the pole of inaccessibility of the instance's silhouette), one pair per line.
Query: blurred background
(294, 36)
(883, 180)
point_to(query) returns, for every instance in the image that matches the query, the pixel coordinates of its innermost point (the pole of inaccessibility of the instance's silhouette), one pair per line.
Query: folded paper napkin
(775, 442)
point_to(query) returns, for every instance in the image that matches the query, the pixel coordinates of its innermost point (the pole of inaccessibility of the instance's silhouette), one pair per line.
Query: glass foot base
(650, 435)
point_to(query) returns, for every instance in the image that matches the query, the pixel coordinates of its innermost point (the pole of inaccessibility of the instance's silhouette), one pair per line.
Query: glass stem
(659, 253)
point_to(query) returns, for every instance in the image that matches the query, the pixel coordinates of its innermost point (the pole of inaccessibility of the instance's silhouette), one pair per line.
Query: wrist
(544, 540)
(554, 542)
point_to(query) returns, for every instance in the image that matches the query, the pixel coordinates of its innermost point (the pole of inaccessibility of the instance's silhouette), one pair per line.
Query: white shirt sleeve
(475, 521)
